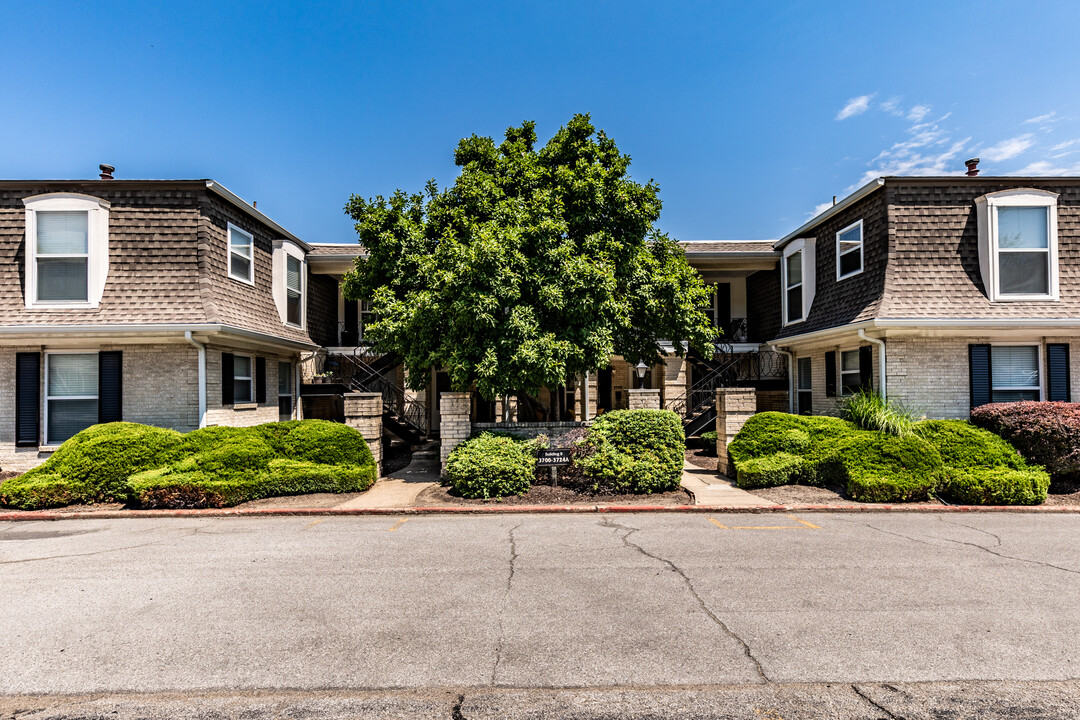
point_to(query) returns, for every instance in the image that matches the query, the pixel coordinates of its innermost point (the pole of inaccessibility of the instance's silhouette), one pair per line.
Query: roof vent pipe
(106, 171)
(972, 167)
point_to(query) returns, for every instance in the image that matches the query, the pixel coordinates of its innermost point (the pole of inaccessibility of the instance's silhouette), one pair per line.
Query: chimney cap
(106, 171)
(972, 167)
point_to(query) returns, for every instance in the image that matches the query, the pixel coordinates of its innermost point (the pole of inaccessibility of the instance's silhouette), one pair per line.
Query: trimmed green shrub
(996, 486)
(780, 468)
(771, 432)
(870, 411)
(201, 489)
(490, 465)
(637, 451)
(885, 468)
(708, 440)
(211, 467)
(962, 445)
(93, 466)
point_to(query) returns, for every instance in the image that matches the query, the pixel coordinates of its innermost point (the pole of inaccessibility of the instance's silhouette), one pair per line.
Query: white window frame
(364, 315)
(989, 252)
(283, 249)
(250, 378)
(250, 257)
(1039, 366)
(97, 247)
(806, 247)
(840, 372)
(799, 389)
(858, 224)
(47, 397)
(290, 375)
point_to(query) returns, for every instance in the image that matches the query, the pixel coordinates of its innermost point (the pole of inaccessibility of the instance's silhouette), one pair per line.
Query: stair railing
(361, 377)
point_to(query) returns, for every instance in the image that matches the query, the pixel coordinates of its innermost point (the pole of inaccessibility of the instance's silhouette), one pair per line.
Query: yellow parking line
(398, 524)
(804, 525)
(314, 523)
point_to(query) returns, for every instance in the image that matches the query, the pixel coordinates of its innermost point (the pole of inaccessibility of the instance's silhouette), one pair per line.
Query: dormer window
(241, 247)
(1018, 245)
(798, 279)
(289, 288)
(67, 250)
(849, 251)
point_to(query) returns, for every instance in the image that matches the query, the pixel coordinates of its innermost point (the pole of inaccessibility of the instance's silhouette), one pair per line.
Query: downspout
(791, 376)
(202, 376)
(881, 347)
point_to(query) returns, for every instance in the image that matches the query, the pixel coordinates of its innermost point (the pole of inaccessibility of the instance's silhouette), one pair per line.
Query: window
(797, 278)
(1018, 245)
(793, 286)
(366, 316)
(241, 246)
(804, 379)
(1014, 370)
(284, 388)
(293, 290)
(67, 250)
(850, 375)
(849, 251)
(710, 309)
(71, 394)
(242, 372)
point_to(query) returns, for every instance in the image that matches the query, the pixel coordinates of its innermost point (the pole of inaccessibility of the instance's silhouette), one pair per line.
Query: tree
(534, 267)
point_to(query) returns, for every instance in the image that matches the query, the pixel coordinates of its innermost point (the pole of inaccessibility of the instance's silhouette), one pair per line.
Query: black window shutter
(260, 380)
(866, 367)
(830, 374)
(350, 334)
(1057, 372)
(226, 379)
(723, 306)
(110, 386)
(27, 398)
(981, 381)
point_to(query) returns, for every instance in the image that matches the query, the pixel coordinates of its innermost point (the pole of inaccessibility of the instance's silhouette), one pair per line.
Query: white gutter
(818, 219)
(153, 328)
(251, 210)
(791, 376)
(202, 376)
(881, 346)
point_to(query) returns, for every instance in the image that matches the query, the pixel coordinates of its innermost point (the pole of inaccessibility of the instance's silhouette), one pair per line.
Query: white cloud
(930, 150)
(1042, 119)
(1007, 149)
(1045, 167)
(918, 112)
(855, 106)
(1062, 148)
(818, 209)
(892, 106)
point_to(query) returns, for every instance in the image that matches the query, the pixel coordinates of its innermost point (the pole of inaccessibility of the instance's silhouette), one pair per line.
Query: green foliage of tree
(538, 264)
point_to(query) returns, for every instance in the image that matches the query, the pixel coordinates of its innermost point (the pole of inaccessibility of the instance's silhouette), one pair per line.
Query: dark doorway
(603, 390)
(442, 384)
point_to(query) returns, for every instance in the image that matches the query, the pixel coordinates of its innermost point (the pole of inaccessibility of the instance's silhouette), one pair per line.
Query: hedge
(491, 465)
(1046, 433)
(637, 451)
(211, 467)
(953, 458)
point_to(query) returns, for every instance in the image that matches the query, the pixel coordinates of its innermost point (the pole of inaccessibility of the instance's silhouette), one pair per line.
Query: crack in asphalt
(97, 552)
(970, 544)
(870, 701)
(506, 599)
(996, 537)
(455, 711)
(610, 523)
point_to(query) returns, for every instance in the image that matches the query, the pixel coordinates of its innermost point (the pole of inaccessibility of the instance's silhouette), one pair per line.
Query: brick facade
(455, 424)
(363, 411)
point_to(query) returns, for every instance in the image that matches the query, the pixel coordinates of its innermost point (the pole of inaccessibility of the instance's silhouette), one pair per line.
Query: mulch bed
(547, 495)
(702, 457)
(396, 457)
(1064, 493)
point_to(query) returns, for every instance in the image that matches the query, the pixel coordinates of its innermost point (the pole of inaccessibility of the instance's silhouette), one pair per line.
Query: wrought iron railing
(356, 372)
(730, 369)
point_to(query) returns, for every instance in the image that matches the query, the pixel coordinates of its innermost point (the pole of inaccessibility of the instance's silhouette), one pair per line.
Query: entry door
(603, 390)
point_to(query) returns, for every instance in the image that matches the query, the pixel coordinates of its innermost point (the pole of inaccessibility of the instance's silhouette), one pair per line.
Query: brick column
(454, 423)
(733, 407)
(511, 402)
(363, 411)
(644, 399)
(674, 378)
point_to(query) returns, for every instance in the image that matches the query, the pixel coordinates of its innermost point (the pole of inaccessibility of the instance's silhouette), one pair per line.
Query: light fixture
(640, 369)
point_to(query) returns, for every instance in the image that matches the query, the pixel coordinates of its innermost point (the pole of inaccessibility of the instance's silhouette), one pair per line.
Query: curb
(533, 510)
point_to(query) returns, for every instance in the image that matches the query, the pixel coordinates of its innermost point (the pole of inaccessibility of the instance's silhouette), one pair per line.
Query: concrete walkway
(400, 489)
(711, 488)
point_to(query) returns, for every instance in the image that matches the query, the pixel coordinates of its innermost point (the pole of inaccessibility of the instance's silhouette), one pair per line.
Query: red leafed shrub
(1047, 433)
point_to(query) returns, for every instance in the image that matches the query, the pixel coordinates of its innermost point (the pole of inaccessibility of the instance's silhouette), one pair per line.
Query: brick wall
(241, 414)
(824, 405)
(455, 425)
(644, 399)
(363, 411)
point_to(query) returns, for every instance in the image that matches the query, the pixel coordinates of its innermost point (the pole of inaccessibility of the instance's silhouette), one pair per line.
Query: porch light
(640, 369)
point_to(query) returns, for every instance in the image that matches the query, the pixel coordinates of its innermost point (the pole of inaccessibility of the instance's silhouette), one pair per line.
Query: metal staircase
(403, 416)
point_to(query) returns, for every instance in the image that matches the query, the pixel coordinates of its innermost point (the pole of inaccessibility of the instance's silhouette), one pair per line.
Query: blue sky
(748, 115)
